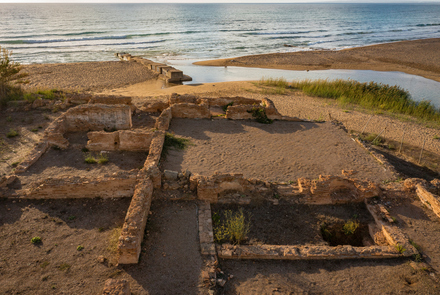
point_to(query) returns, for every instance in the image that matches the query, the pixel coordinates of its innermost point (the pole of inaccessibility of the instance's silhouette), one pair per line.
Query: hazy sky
(218, 1)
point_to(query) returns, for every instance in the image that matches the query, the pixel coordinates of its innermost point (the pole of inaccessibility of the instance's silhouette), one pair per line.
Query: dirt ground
(170, 262)
(287, 224)
(282, 151)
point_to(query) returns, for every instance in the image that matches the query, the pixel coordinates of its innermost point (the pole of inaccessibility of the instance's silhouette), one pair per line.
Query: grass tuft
(11, 133)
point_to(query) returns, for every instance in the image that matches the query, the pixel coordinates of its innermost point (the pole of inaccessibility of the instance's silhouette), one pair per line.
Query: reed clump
(370, 95)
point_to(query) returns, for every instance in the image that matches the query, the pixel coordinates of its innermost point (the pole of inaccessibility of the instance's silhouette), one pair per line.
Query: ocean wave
(428, 25)
(301, 36)
(356, 33)
(287, 32)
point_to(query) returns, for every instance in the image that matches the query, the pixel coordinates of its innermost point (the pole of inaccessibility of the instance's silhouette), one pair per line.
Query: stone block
(103, 141)
(190, 110)
(156, 147)
(164, 120)
(430, 200)
(135, 140)
(174, 75)
(186, 98)
(94, 117)
(170, 175)
(239, 112)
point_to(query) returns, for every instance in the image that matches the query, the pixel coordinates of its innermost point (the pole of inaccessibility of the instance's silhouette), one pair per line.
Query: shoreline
(417, 57)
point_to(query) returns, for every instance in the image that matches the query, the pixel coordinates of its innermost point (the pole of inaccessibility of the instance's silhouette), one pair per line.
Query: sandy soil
(170, 261)
(419, 57)
(85, 76)
(282, 151)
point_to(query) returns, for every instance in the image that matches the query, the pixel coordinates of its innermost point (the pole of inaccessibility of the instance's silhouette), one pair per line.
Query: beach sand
(419, 57)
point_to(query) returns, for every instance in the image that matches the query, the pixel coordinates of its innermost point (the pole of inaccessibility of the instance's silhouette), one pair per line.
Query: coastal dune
(419, 57)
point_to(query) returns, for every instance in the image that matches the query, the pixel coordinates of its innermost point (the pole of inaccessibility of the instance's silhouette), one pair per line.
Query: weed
(350, 227)
(11, 133)
(36, 240)
(9, 119)
(394, 219)
(235, 227)
(114, 239)
(172, 141)
(85, 150)
(216, 218)
(64, 266)
(15, 164)
(100, 229)
(79, 248)
(73, 217)
(34, 129)
(417, 257)
(436, 137)
(260, 115)
(225, 107)
(89, 159)
(103, 158)
(399, 248)
(277, 196)
(8, 71)
(326, 234)
(415, 245)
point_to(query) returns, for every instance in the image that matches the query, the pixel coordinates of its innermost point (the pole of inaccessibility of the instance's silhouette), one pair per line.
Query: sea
(179, 34)
(59, 33)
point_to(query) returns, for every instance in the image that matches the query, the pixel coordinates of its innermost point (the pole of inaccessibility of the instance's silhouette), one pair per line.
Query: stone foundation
(123, 140)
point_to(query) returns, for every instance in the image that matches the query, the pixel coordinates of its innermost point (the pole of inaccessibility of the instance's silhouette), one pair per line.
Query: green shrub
(8, 71)
(260, 115)
(172, 141)
(277, 82)
(11, 133)
(89, 159)
(350, 227)
(36, 240)
(80, 248)
(103, 158)
(234, 228)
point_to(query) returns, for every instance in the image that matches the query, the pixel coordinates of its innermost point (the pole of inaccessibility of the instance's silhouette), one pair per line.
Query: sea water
(58, 33)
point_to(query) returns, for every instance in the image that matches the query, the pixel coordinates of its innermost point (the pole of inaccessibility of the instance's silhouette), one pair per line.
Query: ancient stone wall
(111, 186)
(123, 140)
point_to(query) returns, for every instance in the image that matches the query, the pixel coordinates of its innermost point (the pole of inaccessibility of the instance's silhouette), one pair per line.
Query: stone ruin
(168, 73)
(94, 115)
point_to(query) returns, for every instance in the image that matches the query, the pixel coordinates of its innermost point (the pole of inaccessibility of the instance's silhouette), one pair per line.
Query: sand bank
(85, 76)
(419, 57)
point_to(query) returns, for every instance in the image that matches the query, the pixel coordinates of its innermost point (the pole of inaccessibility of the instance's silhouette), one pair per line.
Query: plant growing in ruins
(260, 115)
(89, 159)
(225, 107)
(234, 228)
(399, 248)
(172, 141)
(350, 227)
(103, 158)
(79, 248)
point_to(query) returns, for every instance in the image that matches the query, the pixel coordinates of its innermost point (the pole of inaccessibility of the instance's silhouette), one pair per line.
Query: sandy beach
(419, 57)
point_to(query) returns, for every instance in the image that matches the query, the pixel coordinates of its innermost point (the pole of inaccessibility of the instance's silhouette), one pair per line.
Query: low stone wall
(164, 120)
(132, 234)
(393, 235)
(117, 185)
(430, 200)
(80, 118)
(123, 140)
(305, 252)
(206, 235)
(325, 190)
(98, 117)
(190, 110)
(168, 73)
(148, 178)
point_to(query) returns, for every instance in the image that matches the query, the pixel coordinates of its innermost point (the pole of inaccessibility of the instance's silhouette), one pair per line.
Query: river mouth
(420, 88)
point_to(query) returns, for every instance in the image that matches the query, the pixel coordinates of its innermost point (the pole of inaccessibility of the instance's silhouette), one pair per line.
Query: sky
(219, 1)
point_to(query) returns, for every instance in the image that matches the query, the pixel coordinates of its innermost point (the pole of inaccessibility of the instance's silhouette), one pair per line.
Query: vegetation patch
(233, 227)
(370, 95)
(176, 142)
(36, 240)
(11, 133)
(260, 115)
(351, 232)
